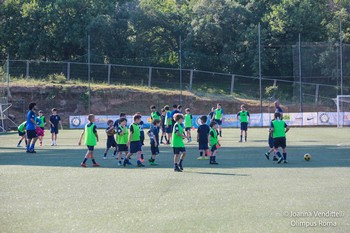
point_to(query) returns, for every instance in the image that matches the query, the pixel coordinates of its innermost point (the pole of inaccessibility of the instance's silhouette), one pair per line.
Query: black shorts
(279, 142)
(169, 129)
(122, 148)
(163, 129)
(91, 148)
(31, 134)
(188, 128)
(142, 137)
(111, 143)
(244, 126)
(178, 150)
(219, 122)
(135, 147)
(213, 148)
(21, 133)
(154, 149)
(203, 146)
(54, 130)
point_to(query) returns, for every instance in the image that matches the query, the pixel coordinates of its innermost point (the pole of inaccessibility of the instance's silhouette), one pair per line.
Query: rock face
(73, 100)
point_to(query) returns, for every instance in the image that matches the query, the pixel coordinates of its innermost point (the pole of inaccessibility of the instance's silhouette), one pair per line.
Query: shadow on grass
(228, 157)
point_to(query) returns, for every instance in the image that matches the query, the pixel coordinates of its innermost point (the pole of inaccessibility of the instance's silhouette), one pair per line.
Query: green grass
(50, 192)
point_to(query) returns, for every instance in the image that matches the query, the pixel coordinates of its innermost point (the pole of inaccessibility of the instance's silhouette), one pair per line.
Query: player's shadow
(228, 157)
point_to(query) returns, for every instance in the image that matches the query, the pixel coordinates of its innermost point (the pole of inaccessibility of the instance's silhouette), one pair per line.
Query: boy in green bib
(91, 139)
(244, 117)
(213, 142)
(122, 139)
(22, 133)
(218, 116)
(155, 115)
(134, 142)
(42, 124)
(188, 124)
(177, 142)
(278, 130)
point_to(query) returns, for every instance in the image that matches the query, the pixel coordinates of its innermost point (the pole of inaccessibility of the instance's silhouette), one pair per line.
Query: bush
(57, 78)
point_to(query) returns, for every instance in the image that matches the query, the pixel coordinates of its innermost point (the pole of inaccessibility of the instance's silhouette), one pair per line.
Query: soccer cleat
(285, 161)
(142, 160)
(125, 162)
(140, 165)
(214, 162)
(96, 165)
(18, 145)
(104, 157)
(275, 158)
(128, 163)
(28, 151)
(280, 160)
(153, 163)
(240, 141)
(181, 168)
(206, 157)
(267, 156)
(177, 169)
(52, 144)
(32, 151)
(83, 165)
(120, 163)
(200, 158)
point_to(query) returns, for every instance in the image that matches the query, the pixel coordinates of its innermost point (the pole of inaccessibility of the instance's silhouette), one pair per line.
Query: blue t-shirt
(116, 124)
(141, 126)
(203, 132)
(30, 125)
(279, 109)
(54, 120)
(154, 131)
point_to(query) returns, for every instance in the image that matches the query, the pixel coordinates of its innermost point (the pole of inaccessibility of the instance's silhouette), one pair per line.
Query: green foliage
(57, 78)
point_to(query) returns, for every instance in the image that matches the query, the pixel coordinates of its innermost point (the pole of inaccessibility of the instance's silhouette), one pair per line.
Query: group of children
(175, 128)
(34, 128)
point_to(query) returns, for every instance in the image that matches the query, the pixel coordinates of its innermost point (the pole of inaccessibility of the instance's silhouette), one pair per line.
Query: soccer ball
(307, 157)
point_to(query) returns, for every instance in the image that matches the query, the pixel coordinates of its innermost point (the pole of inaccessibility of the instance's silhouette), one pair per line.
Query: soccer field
(50, 192)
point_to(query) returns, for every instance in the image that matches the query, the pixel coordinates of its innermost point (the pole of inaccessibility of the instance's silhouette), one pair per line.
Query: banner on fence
(231, 121)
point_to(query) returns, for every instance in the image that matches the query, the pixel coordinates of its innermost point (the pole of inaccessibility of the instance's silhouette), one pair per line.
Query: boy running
(22, 133)
(202, 138)
(188, 124)
(243, 116)
(110, 131)
(177, 143)
(91, 139)
(153, 133)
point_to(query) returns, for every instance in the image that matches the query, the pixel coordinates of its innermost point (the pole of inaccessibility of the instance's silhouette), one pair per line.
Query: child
(279, 129)
(214, 142)
(270, 142)
(142, 136)
(188, 124)
(122, 139)
(162, 124)
(54, 121)
(110, 131)
(22, 133)
(202, 138)
(211, 114)
(218, 115)
(154, 114)
(116, 123)
(30, 129)
(168, 123)
(91, 139)
(42, 124)
(134, 142)
(177, 142)
(243, 117)
(153, 133)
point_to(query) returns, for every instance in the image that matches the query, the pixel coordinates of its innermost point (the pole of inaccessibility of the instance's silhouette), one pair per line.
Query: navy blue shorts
(279, 142)
(169, 129)
(203, 146)
(111, 143)
(31, 134)
(122, 148)
(135, 147)
(219, 122)
(91, 148)
(163, 129)
(154, 149)
(54, 130)
(188, 128)
(270, 141)
(142, 137)
(244, 126)
(178, 150)
(21, 133)
(213, 148)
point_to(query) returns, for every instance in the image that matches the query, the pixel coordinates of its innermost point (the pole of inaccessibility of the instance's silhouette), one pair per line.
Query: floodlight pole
(341, 56)
(300, 84)
(89, 74)
(180, 64)
(260, 85)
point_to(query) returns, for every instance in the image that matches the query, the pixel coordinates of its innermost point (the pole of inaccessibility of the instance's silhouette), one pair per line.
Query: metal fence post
(191, 79)
(27, 69)
(232, 84)
(109, 74)
(316, 94)
(149, 76)
(68, 70)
